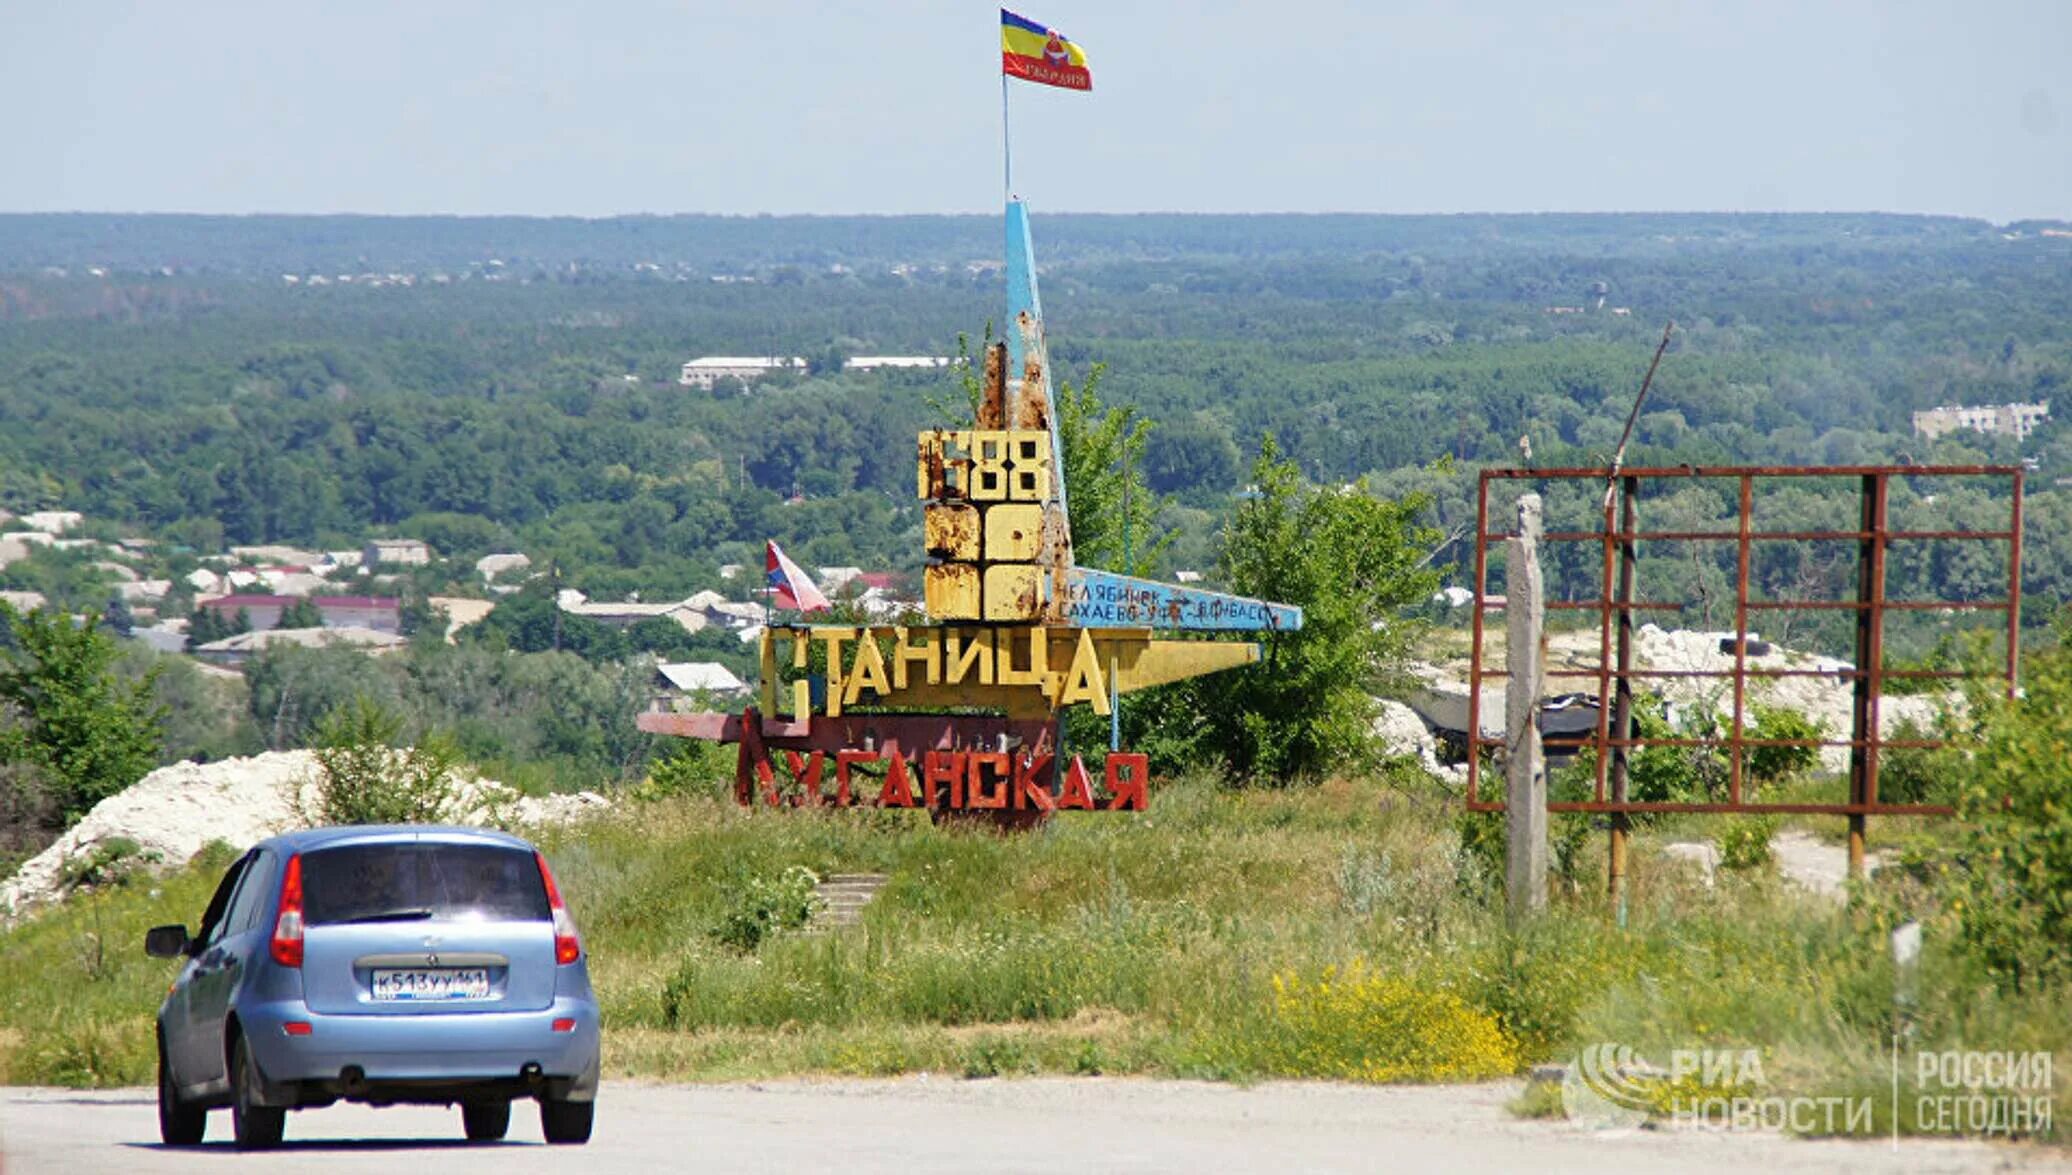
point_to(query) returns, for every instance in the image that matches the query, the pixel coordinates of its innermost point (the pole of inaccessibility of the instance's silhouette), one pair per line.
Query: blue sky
(613, 106)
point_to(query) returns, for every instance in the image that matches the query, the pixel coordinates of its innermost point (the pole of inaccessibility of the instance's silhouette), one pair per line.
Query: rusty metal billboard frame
(1613, 739)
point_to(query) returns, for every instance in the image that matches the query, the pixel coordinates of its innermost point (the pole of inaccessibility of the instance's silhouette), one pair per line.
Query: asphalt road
(916, 1125)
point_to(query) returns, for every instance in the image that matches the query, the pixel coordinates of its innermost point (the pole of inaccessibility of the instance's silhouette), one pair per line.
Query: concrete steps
(842, 897)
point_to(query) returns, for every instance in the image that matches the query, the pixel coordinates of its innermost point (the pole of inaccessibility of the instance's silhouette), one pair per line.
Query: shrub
(1918, 775)
(1744, 842)
(2008, 863)
(1478, 864)
(764, 905)
(1675, 774)
(1355, 1024)
(1768, 764)
(114, 861)
(692, 767)
(363, 779)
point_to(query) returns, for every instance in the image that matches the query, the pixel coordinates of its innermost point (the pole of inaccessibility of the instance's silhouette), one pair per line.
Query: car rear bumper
(424, 1056)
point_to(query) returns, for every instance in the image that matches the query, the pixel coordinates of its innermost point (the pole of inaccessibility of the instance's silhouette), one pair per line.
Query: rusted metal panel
(992, 405)
(1014, 533)
(1014, 591)
(944, 465)
(950, 532)
(1032, 400)
(950, 591)
(1614, 740)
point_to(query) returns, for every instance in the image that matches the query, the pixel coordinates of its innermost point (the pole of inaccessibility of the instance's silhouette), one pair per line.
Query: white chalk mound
(174, 811)
(1400, 732)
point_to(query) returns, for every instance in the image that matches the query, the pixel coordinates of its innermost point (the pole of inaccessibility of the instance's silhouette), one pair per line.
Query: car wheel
(485, 1121)
(180, 1123)
(256, 1127)
(566, 1122)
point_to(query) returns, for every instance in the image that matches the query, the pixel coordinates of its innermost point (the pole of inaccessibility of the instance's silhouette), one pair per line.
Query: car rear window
(421, 881)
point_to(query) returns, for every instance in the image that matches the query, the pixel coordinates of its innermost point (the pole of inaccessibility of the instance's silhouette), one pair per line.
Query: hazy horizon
(642, 107)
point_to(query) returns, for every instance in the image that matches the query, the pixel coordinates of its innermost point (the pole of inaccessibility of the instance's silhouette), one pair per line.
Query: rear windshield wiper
(410, 914)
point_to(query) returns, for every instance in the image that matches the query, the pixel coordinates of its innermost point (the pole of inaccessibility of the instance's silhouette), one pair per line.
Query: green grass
(1130, 944)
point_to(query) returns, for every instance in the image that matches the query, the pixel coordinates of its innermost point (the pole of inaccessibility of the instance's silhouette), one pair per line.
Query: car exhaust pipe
(353, 1081)
(531, 1075)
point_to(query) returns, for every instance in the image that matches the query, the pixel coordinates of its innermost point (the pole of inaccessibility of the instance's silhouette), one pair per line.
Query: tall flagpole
(1006, 143)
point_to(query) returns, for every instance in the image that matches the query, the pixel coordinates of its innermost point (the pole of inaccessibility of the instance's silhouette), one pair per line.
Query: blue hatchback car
(400, 964)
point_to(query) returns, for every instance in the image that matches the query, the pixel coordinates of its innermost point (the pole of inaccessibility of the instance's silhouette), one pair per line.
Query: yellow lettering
(965, 650)
(1038, 672)
(766, 653)
(923, 654)
(868, 671)
(988, 466)
(1031, 482)
(1083, 681)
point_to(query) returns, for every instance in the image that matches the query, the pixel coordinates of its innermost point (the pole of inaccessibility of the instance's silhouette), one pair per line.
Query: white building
(54, 522)
(409, 551)
(627, 613)
(491, 566)
(709, 370)
(2005, 420)
(894, 362)
(688, 678)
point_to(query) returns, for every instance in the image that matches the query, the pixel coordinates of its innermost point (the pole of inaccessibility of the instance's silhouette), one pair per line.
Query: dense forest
(497, 383)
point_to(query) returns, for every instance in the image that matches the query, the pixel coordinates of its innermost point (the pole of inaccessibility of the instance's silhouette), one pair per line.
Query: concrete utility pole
(1525, 772)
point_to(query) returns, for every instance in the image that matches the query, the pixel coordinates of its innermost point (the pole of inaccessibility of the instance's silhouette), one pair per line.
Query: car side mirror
(166, 942)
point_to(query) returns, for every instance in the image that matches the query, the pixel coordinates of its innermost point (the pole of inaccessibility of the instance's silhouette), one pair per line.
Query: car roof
(309, 839)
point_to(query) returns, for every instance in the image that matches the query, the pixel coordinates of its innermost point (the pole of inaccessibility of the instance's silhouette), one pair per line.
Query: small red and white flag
(790, 588)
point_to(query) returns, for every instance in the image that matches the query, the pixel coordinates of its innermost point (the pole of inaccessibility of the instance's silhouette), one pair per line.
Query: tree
(531, 621)
(364, 777)
(86, 730)
(1190, 455)
(2004, 866)
(1351, 561)
(303, 613)
(205, 626)
(118, 618)
(1111, 508)
(294, 690)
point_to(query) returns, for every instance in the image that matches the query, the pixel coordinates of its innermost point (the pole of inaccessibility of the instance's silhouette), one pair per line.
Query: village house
(54, 522)
(380, 613)
(409, 552)
(690, 679)
(626, 613)
(706, 371)
(2005, 420)
(461, 611)
(236, 650)
(492, 566)
(895, 362)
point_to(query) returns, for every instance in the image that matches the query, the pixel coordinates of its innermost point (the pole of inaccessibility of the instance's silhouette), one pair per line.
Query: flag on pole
(1036, 53)
(790, 588)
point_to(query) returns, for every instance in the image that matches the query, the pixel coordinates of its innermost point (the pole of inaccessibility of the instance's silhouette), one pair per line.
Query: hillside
(1197, 939)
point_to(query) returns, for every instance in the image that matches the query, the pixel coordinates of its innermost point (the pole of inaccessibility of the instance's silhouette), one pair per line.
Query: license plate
(432, 983)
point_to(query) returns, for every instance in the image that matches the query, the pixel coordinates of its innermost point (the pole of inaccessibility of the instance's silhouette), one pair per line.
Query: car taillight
(287, 927)
(567, 947)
